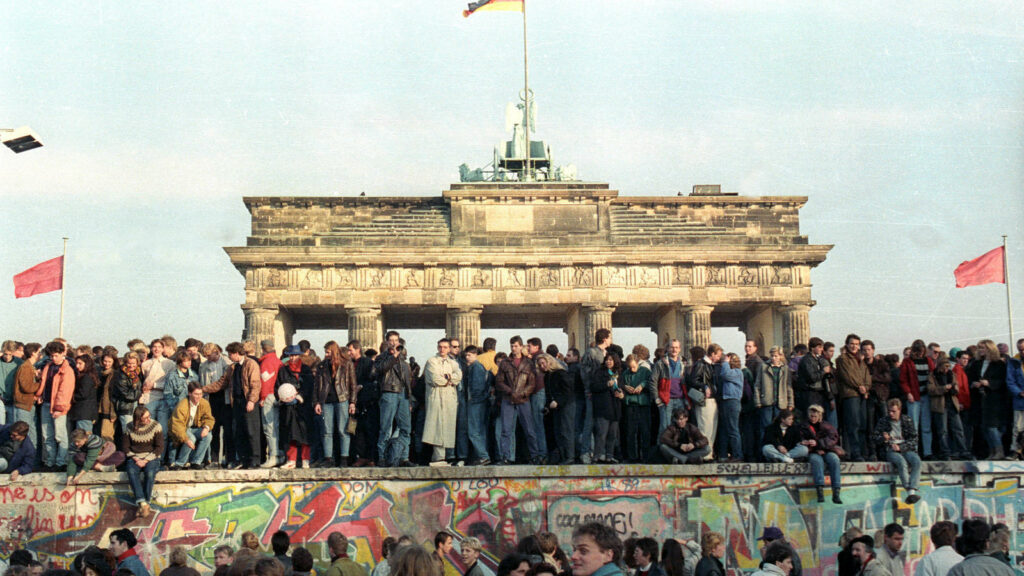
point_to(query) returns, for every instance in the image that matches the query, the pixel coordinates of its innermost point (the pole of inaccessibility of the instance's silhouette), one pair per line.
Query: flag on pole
(494, 5)
(985, 269)
(39, 279)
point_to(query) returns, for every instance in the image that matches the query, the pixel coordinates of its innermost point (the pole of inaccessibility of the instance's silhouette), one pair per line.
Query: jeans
(336, 420)
(537, 407)
(142, 479)
(462, 424)
(707, 420)
(55, 438)
(159, 412)
(84, 425)
(509, 414)
(606, 438)
(187, 455)
(694, 456)
(476, 427)
(395, 420)
(247, 432)
(926, 428)
(900, 461)
(271, 419)
(994, 439)
(638, 432)
(1018, 430)
(767, 415)
(958, 443)
(729, 421)
(854, 426)
(665, 413)
(26, 416)
(125, 420)
(5, 413)
(939, 426)
(585, 425)
(819, 464)
(772, 454)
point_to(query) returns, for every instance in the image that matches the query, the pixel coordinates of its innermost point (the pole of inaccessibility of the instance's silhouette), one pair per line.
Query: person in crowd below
(154, 378)
(470, 550)
(191, 428)
(250, 541)
(335, 401)
(95, 561)
(782, 440)
(122, 545)
(242, 381)
(268, 567)
(672, 560)
(223, 555)
(846, 564)
(914, 373)
(55, 394)
(178, 564)
(11, 357)
(863, 551)
(941, 560)
(542, 569)
(341, 564)
(126, 390)
(773, 391)
(367, 415)
(896, 439)
(17, 453)
(683, 442)
(645, 555)
(822, 442)
(774, 537)
(279, 543)
(703, 390)
(413, 560)
(270, 365)
(84, 405)
(515, 384)
(590, 366)
(106, 416)
(607, 396)
(853, 379)
(1015, 389)
(730, 446)
(91, 453)
(892, 554)
(712, 545)
(222, 447)
(26, 384)
(810, 377)
(442, 376)
(974, 543)
(443, 544)
(395, 377)
(176, 387)
(668, 385)
(637, 388)
(143, 445)
(777, 560)
(596, 550)
(561, 402)
(945, 409)
(988, 384)
(302, 562)
(999, 543)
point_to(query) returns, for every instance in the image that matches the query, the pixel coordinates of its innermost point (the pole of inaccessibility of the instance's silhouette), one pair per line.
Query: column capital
(477, 310)
(796, 306)
(362, 310)
(696, 308)
(599, 307)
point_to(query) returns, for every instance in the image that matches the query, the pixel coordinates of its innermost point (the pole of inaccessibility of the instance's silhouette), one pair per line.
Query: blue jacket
(480, 381)
(732, 383)
(22, 459)
(1015, 383)
(176, 387)
(134, 563)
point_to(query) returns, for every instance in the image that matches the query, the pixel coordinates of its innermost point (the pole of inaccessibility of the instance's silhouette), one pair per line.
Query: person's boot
(821, 493)
(835, 496)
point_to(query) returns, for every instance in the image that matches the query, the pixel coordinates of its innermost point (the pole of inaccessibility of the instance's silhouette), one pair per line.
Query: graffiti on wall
(57, 522)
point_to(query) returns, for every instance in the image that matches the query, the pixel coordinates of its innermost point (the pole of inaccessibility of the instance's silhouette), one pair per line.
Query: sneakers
(107, 468)
(788, 459)
(438, 464)
(305, 463)
(144, 510)
(272, 463)
(289, 465)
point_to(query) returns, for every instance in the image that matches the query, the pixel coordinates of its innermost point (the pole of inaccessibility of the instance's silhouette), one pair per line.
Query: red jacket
(62, 390)
(963, 388)
(270, 364)
(908, 378)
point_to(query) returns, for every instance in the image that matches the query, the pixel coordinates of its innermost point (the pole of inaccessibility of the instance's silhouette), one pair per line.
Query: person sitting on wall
(896, 438)
(822, 441)
(682, 442)
(782, 440)
(191, 425)
(16, 450)
(91, 452)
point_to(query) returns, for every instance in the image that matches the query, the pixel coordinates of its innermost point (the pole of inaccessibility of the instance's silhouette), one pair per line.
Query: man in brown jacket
(26, 384)
(854, 381)
(516, 383)
(242, 380)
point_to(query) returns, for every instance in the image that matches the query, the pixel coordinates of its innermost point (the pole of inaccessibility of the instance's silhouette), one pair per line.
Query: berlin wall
(202, 510)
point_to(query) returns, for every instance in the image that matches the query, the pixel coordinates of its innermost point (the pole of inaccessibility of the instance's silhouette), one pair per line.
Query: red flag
(984, 269)
(41, 278)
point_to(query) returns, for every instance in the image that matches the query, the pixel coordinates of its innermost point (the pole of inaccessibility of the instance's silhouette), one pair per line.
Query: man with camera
(395, 377)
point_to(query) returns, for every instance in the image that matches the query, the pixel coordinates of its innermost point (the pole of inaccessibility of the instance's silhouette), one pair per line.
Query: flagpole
(528, 173)
(63, 283)
(1006, 277)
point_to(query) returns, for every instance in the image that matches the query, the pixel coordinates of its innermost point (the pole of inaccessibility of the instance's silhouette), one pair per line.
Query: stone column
(364, 324)
(696, 326)
(259, 323)
(796, 326)
(464, 324)
(595, 316)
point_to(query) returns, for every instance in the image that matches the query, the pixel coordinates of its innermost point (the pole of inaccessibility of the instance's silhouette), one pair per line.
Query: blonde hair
(991, 350)
(734, 360)
(135, 355)
(209, 348)
(250, 541)
(178, 556)
(709, 541)
(471, 543)
(249, 347)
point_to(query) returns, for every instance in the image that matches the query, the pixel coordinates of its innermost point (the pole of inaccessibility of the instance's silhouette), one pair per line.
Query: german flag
(495, 5)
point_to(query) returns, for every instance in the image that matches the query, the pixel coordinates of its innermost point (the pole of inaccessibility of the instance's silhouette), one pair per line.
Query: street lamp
(20, 139)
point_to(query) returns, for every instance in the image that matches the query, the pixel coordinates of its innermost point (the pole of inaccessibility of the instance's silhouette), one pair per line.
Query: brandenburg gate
(548, 254)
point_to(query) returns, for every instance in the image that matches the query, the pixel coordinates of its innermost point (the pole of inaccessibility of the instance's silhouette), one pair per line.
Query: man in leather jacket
(395, 377)
(515, 384)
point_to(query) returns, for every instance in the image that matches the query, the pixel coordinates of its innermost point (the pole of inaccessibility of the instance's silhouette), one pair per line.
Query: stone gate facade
(569, 255)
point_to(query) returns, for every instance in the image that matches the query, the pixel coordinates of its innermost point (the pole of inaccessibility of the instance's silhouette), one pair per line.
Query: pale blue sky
(903, 123)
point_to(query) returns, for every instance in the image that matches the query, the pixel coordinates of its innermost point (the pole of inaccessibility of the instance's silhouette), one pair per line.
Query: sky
(902, 124)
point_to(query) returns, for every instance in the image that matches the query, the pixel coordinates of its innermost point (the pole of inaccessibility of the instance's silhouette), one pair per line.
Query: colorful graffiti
(57, 522)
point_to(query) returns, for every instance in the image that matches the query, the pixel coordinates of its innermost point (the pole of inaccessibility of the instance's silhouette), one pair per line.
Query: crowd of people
(596, 550)
(165, 406)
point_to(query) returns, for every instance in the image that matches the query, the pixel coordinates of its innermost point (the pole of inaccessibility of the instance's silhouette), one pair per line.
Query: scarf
(132, 375)
(128, 554)
(295, 364)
